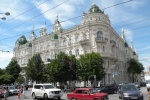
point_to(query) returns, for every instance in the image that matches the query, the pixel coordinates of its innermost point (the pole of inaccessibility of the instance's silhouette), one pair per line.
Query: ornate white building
(95, 33)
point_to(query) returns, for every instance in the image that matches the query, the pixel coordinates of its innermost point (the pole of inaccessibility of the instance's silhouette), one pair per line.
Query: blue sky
(133, 17)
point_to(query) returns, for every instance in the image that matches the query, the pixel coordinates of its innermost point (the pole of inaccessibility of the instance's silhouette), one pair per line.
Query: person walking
(0, 93)
(65, 88)
(23, 91)
(6, 93)
(19, 93)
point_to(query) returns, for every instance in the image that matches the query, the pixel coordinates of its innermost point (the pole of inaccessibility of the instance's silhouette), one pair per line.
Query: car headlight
(125, 94)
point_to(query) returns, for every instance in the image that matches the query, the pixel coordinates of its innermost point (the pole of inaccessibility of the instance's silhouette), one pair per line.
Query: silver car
(12, 90)
(130, 91)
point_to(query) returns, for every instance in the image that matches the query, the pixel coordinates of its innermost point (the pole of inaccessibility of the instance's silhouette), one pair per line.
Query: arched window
(76, 38)
(99, 35)
(70, 52)
(64, 42)
(98, 48)
(77, 52)
(103, 48)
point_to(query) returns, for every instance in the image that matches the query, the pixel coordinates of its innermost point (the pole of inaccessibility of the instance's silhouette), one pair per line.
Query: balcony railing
(112, 42)
(101, 40)
(83, 42)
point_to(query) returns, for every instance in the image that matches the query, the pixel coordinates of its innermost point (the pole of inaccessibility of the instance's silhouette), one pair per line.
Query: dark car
(108, 89)
(142, 83)
(130, 91)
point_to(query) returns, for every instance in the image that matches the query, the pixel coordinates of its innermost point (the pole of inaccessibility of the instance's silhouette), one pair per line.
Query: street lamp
(3, 18)
(7, 14)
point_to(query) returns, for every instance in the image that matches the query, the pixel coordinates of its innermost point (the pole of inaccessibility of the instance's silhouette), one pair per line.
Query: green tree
(34, 69)
(1, 71)
(13, 69)
(6, 79)
(59, 68)
(89, 65)
(134, 68)
(20, 79)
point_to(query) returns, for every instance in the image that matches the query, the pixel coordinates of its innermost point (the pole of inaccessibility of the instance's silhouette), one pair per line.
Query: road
(111, 96)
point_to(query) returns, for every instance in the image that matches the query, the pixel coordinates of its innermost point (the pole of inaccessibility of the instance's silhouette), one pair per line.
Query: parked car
(46, 91)
(108, 89)
(130, 91)
(142, 83)
(86, 94)
(12, 90)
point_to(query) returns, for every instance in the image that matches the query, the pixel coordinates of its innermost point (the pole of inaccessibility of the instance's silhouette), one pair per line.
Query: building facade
(95, 33)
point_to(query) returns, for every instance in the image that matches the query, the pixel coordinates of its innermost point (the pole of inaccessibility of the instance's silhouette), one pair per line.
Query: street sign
(115, 73)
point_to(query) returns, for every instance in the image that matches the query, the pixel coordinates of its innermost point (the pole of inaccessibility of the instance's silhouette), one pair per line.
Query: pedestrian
(23, 91)
(0, 93)
(65, 88)
(19, 93)
(6, 93)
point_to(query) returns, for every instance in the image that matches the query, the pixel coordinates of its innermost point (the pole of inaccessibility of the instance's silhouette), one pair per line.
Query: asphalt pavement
(64, 97)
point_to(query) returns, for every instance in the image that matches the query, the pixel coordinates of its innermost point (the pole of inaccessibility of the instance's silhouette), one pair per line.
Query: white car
(46, 91)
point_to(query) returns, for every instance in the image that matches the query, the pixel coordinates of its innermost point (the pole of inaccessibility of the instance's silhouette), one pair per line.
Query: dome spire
(122, 34)
(57, 25)
(32, 35)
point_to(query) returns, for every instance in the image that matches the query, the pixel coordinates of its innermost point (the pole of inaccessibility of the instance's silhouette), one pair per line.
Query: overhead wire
(61, 21)
(35, 17)
(23, 12)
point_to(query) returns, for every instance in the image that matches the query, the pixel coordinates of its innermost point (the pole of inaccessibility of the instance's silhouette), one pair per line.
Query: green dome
(95, 9)
(54, 36)
(22, 40)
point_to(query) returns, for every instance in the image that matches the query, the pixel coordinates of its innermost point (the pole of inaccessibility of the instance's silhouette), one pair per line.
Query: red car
(86, 94)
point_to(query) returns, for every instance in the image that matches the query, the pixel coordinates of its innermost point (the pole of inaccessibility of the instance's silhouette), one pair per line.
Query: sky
(26, 15)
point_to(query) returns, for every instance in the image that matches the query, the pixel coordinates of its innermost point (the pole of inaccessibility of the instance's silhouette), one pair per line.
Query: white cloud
(5, 58)
(13, 9)
(64, 11)
(128, 34)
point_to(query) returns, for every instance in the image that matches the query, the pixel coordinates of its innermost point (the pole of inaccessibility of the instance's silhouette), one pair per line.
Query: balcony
(112, 42)
(101, 40)
(84, 42)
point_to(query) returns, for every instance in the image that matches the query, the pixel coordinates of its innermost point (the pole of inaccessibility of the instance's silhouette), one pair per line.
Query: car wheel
(73, 98)
(96, 99)
(33, 96)
(119, 97)
(122, 98)
(45, 97)
(58, 98)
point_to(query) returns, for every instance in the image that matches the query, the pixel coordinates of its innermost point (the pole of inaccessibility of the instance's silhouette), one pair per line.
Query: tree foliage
(134, 67)
(13, 68)
(89, 65)
(6, 79)
(20, 79)
(58, 69)
(34, 69)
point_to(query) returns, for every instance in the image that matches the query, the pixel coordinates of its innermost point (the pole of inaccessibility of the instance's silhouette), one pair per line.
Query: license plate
(134, 97)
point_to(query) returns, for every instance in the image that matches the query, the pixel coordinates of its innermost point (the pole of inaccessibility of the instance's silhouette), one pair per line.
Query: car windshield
(48, 86)
(129, 88)
(11, 87)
